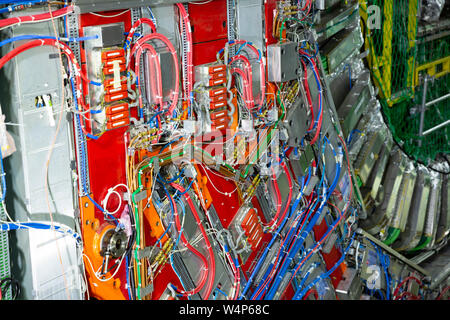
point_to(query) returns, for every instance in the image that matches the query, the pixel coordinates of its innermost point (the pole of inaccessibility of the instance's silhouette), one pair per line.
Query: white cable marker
(116, 69)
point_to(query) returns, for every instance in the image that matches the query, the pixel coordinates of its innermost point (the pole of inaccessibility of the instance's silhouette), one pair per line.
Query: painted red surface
(208, 21)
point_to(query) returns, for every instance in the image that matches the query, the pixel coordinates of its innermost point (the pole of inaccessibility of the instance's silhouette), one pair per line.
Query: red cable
(157, 90)
(136, 25)
(79, 75)
(248, 69)
(289, 196)
(316, 295)
(309, 9)
(405, 281)
(36, 18)
(248, 101)
(158, 36)
(261, 66)
(409, 294)
(208, 244)
(193, 250)
(443, 293)
(308, 95)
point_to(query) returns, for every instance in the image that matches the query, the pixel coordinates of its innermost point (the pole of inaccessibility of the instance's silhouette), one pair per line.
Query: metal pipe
(393, 252)
(440, 277)
(422, 109)
(442, 125)
(438, 100)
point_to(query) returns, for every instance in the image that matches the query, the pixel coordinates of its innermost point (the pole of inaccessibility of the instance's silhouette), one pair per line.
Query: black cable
(15, 287)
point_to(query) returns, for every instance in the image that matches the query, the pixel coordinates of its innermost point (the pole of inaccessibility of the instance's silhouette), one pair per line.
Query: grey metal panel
(193, 263)
(377, 174)
(391, 185)
(166, 23)
(336, 20)
(107, 5)
(296, 123)
(282, 62)
(444, 218)
(340, 87)
(340, 46)
(404, 204)
(350, 287)
(433, 209)
(355, 104)
(250, 22)
(368, 155)
(413, 231)
(36, 254)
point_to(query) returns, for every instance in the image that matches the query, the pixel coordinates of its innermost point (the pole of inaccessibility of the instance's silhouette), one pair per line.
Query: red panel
(269, 12)
(208, 21)
(107, 154)
(205, 52)
(288, 293)
(226, 207)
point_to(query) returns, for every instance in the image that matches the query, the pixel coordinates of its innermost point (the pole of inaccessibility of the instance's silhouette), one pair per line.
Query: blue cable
(385, 265)
(350, 137)
(307, 276)
(220, 291)
(34, 37)
(128, 278)
(12, 7)
(83, 159)
(168, 144)
(263, 257)
(350, 73)
(3, 179)
(300, 293)
(39, 226)
(158, 179)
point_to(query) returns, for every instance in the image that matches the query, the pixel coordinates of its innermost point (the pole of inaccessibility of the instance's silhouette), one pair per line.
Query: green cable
(424, 241)
(136, 218)
(393, 234)
(283, 24)
(269, 134)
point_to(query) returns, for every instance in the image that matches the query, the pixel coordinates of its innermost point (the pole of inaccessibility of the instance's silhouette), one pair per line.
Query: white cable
(112, 16)
(228, 194)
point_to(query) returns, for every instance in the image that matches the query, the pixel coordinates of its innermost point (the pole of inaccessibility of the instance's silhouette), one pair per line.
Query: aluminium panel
(368, 155)
(334, 21)
(250, 22)
(444, 218)
(404, 199)
(191, 262)
(391, 185)
(410, 238)
(433, 208)
(355, 103)
(341, 46)
(282, 62)
(84, 6)
(35, 257)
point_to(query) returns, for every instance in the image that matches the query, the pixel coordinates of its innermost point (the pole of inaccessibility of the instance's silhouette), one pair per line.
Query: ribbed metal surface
(5, 270)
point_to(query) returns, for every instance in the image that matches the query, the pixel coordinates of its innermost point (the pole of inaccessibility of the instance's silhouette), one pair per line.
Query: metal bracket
(146, 291)
(148, 252)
